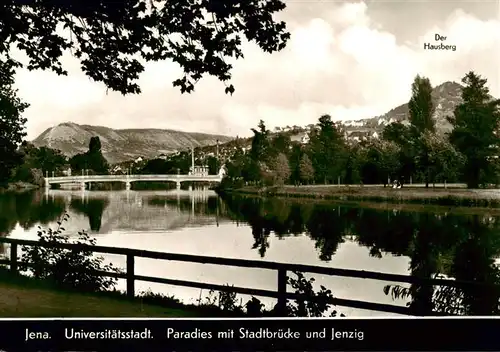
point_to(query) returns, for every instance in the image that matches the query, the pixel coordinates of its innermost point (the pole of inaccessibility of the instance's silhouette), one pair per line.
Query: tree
(260, 143)
(389, 161)
(353, 160)
(213, 165)
(396, 132)
(48, 159)
(113, 39)
(78, 162)
(421, 106)
(280, 169)
(404, 138)
(295, 157)
(306, 169)
(475, 130)
(280, 143)
(92, 159)
(95, 160)
(11, 123)
(155, 167)
(421, 112)
(445, 162)
(94, 145)
(327, 148)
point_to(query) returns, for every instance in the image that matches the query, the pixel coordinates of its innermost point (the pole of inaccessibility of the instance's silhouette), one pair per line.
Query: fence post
(130, 276)
(282, 283)
(13, 258)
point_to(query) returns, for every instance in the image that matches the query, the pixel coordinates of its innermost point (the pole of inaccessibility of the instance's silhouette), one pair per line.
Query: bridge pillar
(127, 186)
(190, 188)
(82, 186)
(47, 185)
(178, 185)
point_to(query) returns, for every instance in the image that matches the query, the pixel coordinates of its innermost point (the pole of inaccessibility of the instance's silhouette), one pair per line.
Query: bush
(315, 304)
(67, 268)
(319, 303)
(26, 174)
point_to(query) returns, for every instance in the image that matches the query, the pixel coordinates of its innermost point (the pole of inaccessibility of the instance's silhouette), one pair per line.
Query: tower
(192, 160)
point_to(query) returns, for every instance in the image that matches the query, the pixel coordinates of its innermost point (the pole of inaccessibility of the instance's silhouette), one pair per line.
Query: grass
(431, 196)
(24, 297)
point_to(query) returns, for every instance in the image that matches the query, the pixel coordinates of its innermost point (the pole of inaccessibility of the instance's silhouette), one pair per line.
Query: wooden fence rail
(282, 268)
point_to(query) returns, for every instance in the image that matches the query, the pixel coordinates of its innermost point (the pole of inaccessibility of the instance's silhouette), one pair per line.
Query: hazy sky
(348, 59)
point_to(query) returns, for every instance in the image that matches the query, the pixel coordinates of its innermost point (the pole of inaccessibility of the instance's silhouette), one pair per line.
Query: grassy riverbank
(22, 296)
(18, 187)
(411, 195)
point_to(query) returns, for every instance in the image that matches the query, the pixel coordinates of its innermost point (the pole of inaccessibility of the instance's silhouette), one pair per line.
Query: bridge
(128, 179)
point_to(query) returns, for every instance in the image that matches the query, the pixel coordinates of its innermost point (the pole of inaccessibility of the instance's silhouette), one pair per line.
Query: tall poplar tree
(421, 118)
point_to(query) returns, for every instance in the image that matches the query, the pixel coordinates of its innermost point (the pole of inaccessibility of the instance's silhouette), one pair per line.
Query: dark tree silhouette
(112, 39)
(475, 130)
(11, 121)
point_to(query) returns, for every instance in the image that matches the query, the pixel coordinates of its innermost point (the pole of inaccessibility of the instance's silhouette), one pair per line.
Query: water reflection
(423, 244)
(461, 246)
(93, 208)
(28, 209)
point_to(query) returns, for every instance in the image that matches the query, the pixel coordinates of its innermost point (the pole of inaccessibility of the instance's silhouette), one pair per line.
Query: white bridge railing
(132, 178)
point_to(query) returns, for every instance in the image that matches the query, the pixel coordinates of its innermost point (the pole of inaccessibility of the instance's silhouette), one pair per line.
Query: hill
(446, 97)
(123, 144)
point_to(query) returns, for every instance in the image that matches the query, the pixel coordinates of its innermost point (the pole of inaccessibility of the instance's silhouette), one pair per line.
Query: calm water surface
(422, 244)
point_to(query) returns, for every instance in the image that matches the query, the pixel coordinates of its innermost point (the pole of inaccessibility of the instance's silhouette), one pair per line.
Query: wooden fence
(282, 295)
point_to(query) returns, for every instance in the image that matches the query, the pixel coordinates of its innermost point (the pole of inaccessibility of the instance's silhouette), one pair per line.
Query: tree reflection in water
(439, 244)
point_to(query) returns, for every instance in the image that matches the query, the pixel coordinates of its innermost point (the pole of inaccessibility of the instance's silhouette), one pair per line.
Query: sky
(351, 60)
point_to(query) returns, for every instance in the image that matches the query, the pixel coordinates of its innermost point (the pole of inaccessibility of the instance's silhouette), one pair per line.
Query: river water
(421, 243)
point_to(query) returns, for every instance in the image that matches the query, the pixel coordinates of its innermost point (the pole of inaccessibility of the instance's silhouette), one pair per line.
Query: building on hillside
(198, 170)
(162, 156)
(117, 170)
(223, 171)
(358, 135)
(66, 170)
(138, 159)
(302, 138)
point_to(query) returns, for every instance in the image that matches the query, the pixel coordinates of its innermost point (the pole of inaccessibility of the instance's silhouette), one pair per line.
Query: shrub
(68, 268)
(319, 303)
